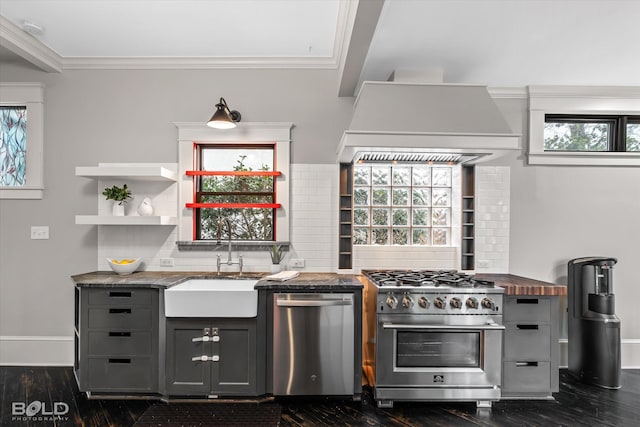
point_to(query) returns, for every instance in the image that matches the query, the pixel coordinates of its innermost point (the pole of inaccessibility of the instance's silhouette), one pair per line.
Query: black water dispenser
(594, 328)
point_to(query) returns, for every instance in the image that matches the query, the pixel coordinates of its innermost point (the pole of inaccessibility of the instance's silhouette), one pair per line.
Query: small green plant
(118, 194)
(276, 254)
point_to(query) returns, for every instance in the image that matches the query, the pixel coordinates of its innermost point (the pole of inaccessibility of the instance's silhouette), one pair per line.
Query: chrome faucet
(229, 259)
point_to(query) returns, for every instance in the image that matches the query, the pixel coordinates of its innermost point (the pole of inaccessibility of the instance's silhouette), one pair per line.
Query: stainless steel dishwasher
(313, 344)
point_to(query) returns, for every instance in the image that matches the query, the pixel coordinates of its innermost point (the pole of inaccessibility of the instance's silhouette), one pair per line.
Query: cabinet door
(188, 340)
(235, 371)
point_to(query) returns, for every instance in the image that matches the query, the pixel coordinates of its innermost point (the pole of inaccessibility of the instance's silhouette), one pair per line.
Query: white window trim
(190, 133)
(579, 100)
(30, 95)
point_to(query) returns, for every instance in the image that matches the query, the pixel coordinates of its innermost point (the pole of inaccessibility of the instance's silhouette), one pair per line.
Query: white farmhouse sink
(212, 298)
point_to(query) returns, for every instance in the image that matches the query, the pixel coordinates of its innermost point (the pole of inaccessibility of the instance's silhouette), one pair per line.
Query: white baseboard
(36, 350)
(629, 348)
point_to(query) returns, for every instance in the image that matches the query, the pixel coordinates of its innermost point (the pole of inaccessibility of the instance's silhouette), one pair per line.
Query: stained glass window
(13, 146)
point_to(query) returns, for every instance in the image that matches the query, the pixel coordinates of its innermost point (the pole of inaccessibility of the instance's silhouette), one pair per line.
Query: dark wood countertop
(518, 285)
(165, 279)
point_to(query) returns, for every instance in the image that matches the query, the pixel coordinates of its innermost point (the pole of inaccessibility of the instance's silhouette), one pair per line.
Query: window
(591, 133)
(584, 125)
(242, 181)
(13, 146)
(199, 145)
(402, 205)
(21, 141)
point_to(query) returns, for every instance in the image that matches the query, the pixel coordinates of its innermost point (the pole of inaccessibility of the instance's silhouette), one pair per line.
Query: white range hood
(392, 119)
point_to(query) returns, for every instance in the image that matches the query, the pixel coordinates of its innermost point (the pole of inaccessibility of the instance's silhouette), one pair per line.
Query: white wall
(563, 212)
(127, 116)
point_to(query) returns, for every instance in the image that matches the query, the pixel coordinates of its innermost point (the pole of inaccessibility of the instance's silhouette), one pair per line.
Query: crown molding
(127, 63)
(28, 47)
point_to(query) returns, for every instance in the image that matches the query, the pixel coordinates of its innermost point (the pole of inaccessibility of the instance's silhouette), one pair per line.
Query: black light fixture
(224, 118)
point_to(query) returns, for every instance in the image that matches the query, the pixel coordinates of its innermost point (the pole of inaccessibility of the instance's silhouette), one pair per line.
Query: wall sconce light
(224, 118)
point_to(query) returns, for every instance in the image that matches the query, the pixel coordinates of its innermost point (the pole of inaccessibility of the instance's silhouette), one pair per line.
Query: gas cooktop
(426, 278)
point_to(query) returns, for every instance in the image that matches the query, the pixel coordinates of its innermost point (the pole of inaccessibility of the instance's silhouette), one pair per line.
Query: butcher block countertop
(518, 285)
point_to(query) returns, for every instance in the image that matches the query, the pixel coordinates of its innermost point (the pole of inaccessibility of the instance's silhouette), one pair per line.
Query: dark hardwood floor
(576, 405)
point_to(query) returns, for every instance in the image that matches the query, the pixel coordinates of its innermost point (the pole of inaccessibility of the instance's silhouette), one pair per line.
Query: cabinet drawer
(527, 308)
(527, 341)
(125, 318)
(117, 297)
(530, 377)
(119, 343)
(113, 374)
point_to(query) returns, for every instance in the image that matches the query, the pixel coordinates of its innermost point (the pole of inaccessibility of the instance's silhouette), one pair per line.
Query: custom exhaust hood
(418, 122)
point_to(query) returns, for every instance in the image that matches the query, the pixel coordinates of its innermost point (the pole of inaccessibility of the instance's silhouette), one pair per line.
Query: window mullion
(620, 134)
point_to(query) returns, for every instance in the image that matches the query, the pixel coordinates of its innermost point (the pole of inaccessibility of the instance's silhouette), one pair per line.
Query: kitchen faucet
(229, 259)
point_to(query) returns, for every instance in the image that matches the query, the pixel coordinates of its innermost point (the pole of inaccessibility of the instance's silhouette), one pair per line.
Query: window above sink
(198, 145)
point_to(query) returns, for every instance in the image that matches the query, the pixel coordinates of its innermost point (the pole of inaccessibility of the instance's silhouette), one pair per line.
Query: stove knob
(407, 302)
(439, 303)
(392, 301)
(455, 303)
(487, 303)
(423, 302)
(472, 302)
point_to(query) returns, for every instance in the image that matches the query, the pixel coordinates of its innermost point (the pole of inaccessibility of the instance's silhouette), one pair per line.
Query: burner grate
(427, 278)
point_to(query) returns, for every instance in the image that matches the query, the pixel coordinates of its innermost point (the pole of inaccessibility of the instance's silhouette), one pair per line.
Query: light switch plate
(39, 232)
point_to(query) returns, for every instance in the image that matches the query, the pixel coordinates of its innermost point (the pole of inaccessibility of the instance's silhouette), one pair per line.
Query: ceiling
(494, 42)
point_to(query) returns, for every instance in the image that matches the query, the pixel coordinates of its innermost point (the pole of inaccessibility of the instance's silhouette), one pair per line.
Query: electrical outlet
(166, 262)
(297, 263)
(39, 232)
(482, 263)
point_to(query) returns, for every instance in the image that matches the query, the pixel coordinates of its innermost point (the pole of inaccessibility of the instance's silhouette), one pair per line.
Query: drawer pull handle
(522, 364)
(119, 294)
(530, 327)
(119, 360)
(527, 300)
(205, 358)
(119, 334)
(119, 311)
(206, 338)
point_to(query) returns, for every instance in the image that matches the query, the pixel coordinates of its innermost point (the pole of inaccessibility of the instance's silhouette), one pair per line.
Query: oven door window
(421, 349)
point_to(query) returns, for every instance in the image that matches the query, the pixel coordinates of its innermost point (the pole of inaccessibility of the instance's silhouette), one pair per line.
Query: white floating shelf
(135, 172)
(125, 220)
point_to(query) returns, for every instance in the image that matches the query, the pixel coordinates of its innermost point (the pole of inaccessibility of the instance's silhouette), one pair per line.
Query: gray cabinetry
(211, 357)
(117, 340)
(531, 351)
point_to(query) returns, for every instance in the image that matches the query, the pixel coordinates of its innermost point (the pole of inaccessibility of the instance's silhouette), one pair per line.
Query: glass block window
(402, 205)
(13, 146)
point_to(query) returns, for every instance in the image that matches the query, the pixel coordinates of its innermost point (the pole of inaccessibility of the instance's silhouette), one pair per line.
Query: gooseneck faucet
(229, 259)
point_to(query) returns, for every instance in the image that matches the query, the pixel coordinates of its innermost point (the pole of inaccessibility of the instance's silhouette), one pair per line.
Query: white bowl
(127, 268)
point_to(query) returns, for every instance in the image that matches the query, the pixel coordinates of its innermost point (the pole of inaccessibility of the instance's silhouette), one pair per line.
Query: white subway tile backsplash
(314, 231)
(493, 220)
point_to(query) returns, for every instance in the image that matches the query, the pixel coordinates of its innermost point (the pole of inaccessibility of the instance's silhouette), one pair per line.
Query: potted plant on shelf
(119, 195)
(277, 254)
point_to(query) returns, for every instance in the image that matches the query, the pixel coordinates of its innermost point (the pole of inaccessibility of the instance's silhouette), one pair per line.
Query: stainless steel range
(438, 336)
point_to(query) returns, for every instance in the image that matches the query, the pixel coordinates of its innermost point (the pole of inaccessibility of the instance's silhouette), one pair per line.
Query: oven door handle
(490, 326)
(312, 303)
